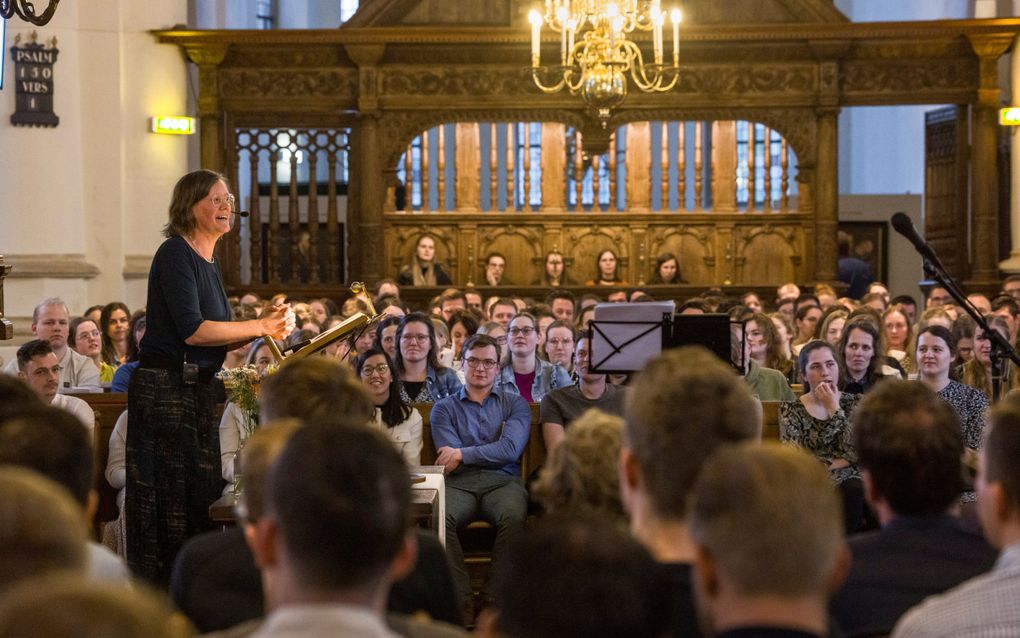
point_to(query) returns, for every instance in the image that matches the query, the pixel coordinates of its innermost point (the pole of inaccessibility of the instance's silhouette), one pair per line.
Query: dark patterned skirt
(173, 468)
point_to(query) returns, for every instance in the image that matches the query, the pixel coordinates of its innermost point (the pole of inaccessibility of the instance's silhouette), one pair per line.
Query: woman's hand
(277, 322)
(827, 396)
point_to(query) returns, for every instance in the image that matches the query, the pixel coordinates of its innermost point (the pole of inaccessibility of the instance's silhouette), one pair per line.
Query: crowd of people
(890, 504)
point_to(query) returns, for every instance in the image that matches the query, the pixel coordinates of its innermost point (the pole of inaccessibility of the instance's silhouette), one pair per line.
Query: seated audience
(84, 338)
(43, 530)
(322, 309)
(574, 577)
(897, 335)
(667, 270)
(462, 324)
(788, 290)
(422, 378)
(94, 313)
(1011, 286)
(562, 406)
(985, 605)
(765, 347)
(495, 266)
(806, 322)
(981, 302)
(826, 296)
(963, 330)
(526, 374)
(908, 304)
(50, 321)
(607, 271)
(683, 406)
(68, 605)
(386, 335)
(122, 376)
(479, 434)
(52, 442)
(559, 344)
(767, 384)
(238, 356)
(393, 416)
(977, 373)
(115, 323)
(554, 273)
(937, 296)
(752, 302)
(769, 552)
(820, 422)
(936, 349)
(385, 287)
(579, 476)
(327, 567)
(562, 303)
(445, 353)
(859, 353)
(910, 450)
(833, 322)
(424, 270)
(502, 310)
(234, 426)
(39, 368)
(391, 306)
(498, 333)
(451, 301)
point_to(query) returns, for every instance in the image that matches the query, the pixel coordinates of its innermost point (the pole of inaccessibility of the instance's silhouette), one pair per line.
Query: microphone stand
(1001, 349)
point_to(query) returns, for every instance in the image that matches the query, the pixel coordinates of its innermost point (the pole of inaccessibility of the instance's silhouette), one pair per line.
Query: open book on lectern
(626, 335)
(323, 339)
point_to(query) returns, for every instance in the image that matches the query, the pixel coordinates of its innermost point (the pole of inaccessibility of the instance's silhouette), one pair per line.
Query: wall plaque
(33, 81)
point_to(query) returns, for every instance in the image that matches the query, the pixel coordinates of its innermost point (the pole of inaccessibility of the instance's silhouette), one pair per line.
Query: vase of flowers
(243, 384)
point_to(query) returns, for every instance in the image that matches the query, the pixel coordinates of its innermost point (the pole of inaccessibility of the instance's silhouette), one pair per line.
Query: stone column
(208, 58)
(826, 196)
(984, 269)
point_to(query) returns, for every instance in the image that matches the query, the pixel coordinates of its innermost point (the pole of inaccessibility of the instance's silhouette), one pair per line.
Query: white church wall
(83, 202)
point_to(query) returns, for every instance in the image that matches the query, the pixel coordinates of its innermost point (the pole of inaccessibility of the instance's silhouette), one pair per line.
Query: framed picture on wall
(869, 242)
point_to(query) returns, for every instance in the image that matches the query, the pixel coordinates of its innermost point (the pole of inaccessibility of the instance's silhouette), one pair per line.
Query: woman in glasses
(173, 448)
(526, 374)
(399, 421)
(85, 339)
(423, 378)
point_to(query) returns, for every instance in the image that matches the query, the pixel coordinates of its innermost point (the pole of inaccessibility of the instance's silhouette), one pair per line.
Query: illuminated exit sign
(172, 124)
(1009, 117)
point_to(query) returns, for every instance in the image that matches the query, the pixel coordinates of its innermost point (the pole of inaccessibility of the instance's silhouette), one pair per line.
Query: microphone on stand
(901, 223)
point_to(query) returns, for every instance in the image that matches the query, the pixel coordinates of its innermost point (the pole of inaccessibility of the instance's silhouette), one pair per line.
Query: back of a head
(52, 442)
(580, 474)
(683, 405)
(16, 396)
(771, 519)
(911, 444)
(314, 390)
(260, 451)
(41, 528)
(341, 496)
(580, 577)
(1002, 453)
(61, 605)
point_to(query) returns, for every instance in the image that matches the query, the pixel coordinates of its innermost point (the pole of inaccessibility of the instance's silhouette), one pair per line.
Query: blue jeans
(489, 495)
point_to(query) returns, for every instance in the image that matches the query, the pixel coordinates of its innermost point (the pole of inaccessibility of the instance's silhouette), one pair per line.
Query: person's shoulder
(955, 612)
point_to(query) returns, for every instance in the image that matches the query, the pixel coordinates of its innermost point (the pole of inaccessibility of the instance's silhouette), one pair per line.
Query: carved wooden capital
(365, 54)
(205, 54)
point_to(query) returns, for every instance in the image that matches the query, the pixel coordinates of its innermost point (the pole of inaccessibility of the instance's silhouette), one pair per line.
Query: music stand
(717, 332)
(322, 340)
(624, 336)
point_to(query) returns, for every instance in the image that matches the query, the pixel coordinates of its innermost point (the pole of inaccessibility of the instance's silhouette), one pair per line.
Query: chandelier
(26, 11)
(595, 54)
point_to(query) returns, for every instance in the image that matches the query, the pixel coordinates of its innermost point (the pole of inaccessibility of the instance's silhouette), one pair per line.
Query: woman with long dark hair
(114, 323)
(667, 270)
(607, 270)
(398, 420)
(423, 378)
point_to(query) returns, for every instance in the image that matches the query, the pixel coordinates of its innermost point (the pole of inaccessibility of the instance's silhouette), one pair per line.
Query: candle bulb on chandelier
(536, 26)
(676, 17)
(561, 15)
(657, 19)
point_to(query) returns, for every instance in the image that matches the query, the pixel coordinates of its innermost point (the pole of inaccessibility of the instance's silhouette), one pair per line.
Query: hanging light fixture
(595, 54)
(25, 9)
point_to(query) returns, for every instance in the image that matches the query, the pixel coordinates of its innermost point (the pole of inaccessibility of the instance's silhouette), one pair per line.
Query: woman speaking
(173, 455)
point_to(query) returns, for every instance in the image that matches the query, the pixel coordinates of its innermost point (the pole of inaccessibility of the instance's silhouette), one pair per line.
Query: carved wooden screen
(720, 195)
(946, 191)
(657, 166)
(293, 182)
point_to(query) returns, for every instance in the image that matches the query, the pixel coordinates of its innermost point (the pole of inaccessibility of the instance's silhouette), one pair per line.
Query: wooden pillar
(365, 213)
(984, 176)
(208, 58)
(826, 196)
